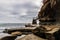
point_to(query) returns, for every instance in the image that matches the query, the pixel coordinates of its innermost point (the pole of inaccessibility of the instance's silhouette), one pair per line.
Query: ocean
(4, 26)
(10, 25)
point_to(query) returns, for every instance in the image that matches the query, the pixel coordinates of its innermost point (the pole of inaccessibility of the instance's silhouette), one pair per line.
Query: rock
(47, 13)
(31, 37)
(16, 33)
(5, 36)
(9, 38)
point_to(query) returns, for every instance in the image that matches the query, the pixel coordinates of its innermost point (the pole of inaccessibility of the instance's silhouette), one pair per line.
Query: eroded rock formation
(50, 11)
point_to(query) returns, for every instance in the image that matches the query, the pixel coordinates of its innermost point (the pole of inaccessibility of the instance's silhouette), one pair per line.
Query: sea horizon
(4, 26)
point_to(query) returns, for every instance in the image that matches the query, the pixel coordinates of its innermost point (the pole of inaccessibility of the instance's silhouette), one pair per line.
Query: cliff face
(57, 8)
(50, 10)
(46, 10)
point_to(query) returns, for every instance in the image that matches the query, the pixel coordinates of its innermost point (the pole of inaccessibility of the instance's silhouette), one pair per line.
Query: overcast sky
(19, 11)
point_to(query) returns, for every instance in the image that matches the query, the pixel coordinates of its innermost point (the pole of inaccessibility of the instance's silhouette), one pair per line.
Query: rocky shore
(5, 36)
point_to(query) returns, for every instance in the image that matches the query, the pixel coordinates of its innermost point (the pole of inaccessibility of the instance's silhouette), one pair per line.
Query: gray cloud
(18, 11)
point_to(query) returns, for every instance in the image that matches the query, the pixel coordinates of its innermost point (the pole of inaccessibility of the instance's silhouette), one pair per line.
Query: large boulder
(31, 37)
(5, 36)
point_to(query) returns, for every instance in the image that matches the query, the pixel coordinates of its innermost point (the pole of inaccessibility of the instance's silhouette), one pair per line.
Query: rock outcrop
(5, 36)
(50, 11)
(31, 37)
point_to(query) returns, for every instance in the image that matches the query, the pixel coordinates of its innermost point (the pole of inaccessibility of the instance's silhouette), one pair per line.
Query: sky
(19, 11)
